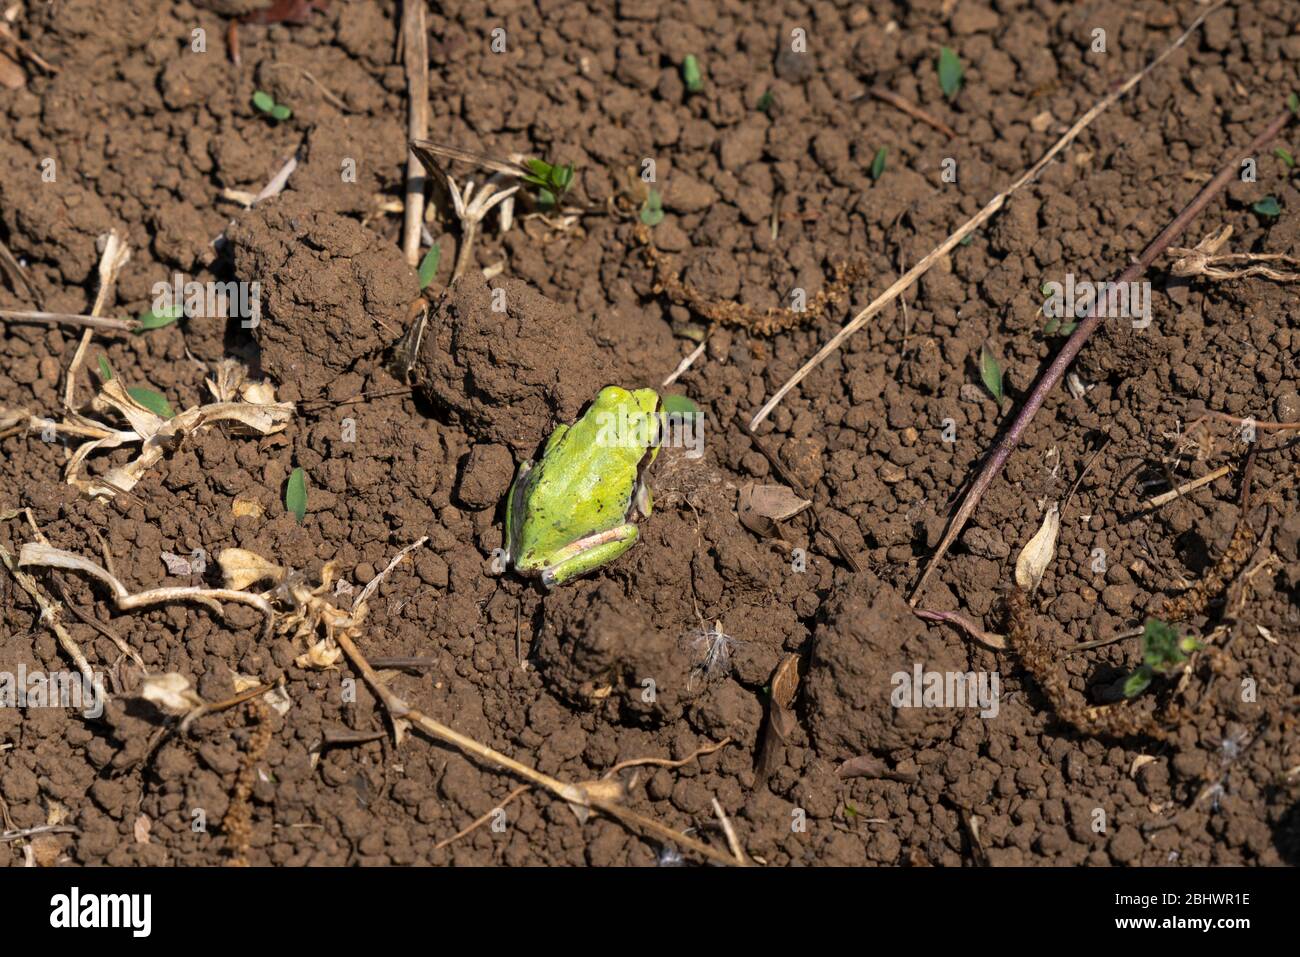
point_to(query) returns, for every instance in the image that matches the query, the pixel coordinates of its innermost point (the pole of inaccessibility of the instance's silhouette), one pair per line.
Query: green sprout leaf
(263, 101)
(765, 102)
(1293, 103)
(991, 373)
(1137, 682)
(1268, 207)
(679, 405)
(280, 112)
(295, 494)
(1285, 156)
(652, 210)
(878, 164)
(950, 72)
(155, 402)
(1163, 649)
(156, 319)
(691, 74)
(429, 265)
(967, 241)
(105, 372)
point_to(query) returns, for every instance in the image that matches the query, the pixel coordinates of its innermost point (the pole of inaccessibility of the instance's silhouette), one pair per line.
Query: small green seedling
(105, 370)
(1163, 653)
(295, 494)
(1285, 156)
(765, 102)
(991, 373)
(1293, 103)
(950, 71)
(264, 102)
(878, 164)
(691, 74)
(155, 402)
(652, 210)
(429, 265)
(967, 241)
(156, 319)
(1055, 327)
(551, 181)
(1268, 207)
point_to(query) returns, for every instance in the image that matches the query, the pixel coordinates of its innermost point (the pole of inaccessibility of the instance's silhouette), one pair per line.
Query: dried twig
(667, 762)
(51, 615)
(1087, 325)
(910, 108)
(68, 319)
(1204, 260)
(1166, 497)
(733, 842)
(480, 821)
(40, 555)
(416, 56)
(912, 275)
(986, 638)
(114, 257)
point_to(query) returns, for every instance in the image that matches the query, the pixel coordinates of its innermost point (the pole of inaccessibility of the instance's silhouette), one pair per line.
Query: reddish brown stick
(1056, 371)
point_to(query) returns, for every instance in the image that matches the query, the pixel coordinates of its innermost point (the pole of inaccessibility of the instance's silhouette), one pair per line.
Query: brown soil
(146, 134)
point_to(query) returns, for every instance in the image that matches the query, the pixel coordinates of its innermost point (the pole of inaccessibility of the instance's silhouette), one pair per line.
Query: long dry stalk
(415, 55)
(996, 203)
(1087, 325)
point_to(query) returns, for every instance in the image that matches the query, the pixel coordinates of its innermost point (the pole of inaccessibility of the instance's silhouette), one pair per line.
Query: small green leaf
(1285, 157)
(155, 402)
(1053, 326)
(281, 112)
(263, 101)
(679, 405)
(1268, 207)
(991, 373)
(968, 240)
(1068, 328)
(1137, 682)
(105, 372)
(878, 164)
(652, 210)
(691, 74)
(562, 176)
(950, 72)
(765, 102)
(295, 494)
(429, 265)
(1293, 103)
(545, 198)
(156, 319)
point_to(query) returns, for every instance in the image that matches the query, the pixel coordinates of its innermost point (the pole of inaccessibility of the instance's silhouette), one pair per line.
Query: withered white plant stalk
(255, 412)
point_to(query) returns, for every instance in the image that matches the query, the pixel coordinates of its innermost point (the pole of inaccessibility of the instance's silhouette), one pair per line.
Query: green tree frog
(576, 509)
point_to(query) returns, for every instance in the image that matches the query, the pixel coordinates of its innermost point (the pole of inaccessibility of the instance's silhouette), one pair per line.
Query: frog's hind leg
(588, 554)
(515, 508)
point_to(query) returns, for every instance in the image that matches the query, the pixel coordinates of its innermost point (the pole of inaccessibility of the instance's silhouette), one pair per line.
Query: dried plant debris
(1122, 720)
(762, 508)
(761, 322)
(247, 407)
(1205, 260)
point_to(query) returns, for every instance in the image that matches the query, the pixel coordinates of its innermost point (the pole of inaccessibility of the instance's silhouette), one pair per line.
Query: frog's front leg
(515, 509)
(589, 553)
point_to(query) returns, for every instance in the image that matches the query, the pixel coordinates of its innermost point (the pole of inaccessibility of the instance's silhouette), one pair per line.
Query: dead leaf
(141, 829)
(177, 564)
(1039, 552)
(324, 654)
(170, 692)
(1141, 761)
(241, 568)
(45, 850)
(781, 721)
(761, 507)
(279, 700)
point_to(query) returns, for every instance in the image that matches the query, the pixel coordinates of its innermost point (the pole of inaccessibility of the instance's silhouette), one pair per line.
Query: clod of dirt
(508, 376)
(332, 291)
(867, 635)
(485, 475)
(598, 648)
